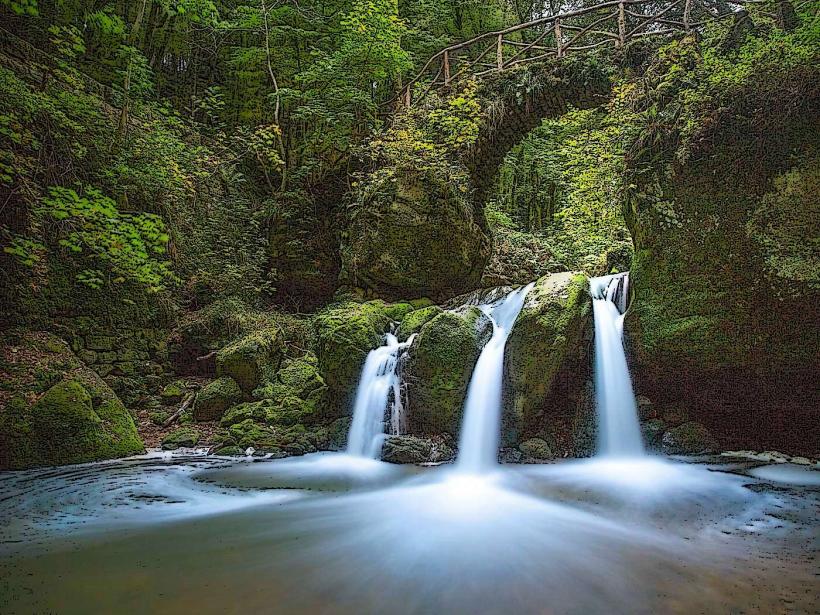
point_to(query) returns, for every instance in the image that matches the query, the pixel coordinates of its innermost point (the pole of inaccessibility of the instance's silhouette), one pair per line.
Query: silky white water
(478, 444)
(619, 433)
(379, 378)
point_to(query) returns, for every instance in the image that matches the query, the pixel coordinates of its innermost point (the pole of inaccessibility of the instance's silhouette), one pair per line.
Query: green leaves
(22, 7)
(457, 124)
(125, 245)
(26, 251)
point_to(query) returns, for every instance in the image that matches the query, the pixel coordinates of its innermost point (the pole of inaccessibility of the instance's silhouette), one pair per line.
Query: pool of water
(332, 534)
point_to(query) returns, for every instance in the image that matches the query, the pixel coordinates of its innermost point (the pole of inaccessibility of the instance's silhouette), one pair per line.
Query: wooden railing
(615, 22)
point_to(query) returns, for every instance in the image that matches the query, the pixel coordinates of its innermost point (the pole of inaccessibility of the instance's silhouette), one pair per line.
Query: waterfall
(379, 379)
(619, 433)
(478, 444)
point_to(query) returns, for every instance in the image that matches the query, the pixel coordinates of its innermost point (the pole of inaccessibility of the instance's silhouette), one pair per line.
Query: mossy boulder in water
(345, 334)
(536, 449)
(546, 342)
(215, 398)
(249, 430)
(247, 359)
(59, 411)
(689, 439)
(415, 320)
(414, 236)
(413, 449)
(184, 437)
(439, 369)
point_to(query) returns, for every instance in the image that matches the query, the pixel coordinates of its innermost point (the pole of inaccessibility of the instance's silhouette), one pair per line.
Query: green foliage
(786, 227)
(22, 7)
(665, 113)
(562, 183)
(127, 245)
(456, 125)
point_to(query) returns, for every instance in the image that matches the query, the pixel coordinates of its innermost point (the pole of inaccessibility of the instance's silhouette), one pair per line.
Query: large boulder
(544, 351)
(248, 359)
(726, 283)
(415, 320)
(215, 398)
(414, 236)
(184, 437)
(345, 334)
(439, 369)
(59, 411)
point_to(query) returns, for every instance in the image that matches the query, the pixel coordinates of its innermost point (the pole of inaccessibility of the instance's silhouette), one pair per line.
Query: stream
(331, 533)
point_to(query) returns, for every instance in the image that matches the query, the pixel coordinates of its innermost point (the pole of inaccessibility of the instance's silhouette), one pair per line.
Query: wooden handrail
(610, 28)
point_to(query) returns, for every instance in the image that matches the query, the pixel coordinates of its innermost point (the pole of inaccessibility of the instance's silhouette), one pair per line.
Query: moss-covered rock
(414, 236)
(247, 359)
(546, 343)
(279, 440)
(158, 417)
(689, 439)
(184, 437)
(55, 410)
(215, 398)
(415, 449)
(65, 426)
(723, 211)
(345, 334)
(230, 451)
(397, 311)
(294, 394)
(536, 449)
(439, 369)
(415, 320)
(172, 393)
(298, 388)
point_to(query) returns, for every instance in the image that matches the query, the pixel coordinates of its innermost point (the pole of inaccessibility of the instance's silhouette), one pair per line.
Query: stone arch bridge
(421, 239)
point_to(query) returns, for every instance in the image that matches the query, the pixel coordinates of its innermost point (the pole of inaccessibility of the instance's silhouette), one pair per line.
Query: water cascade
(478, 444)
(379, 379)
(619, 433)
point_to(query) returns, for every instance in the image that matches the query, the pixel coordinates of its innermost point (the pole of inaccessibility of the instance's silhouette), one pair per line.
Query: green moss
(345, 334)
(247, 359)
(422, 302)
(413, 235)
(159, 417)
(548, 330)
(439, 369)
(215, 398)
(397, 311)
(173, 393)
(75, 421)
(250, 434)
(183, 437)
(415, 320)
(230, 451)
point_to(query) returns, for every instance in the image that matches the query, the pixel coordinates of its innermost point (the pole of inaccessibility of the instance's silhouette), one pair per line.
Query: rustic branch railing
(614, 22)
